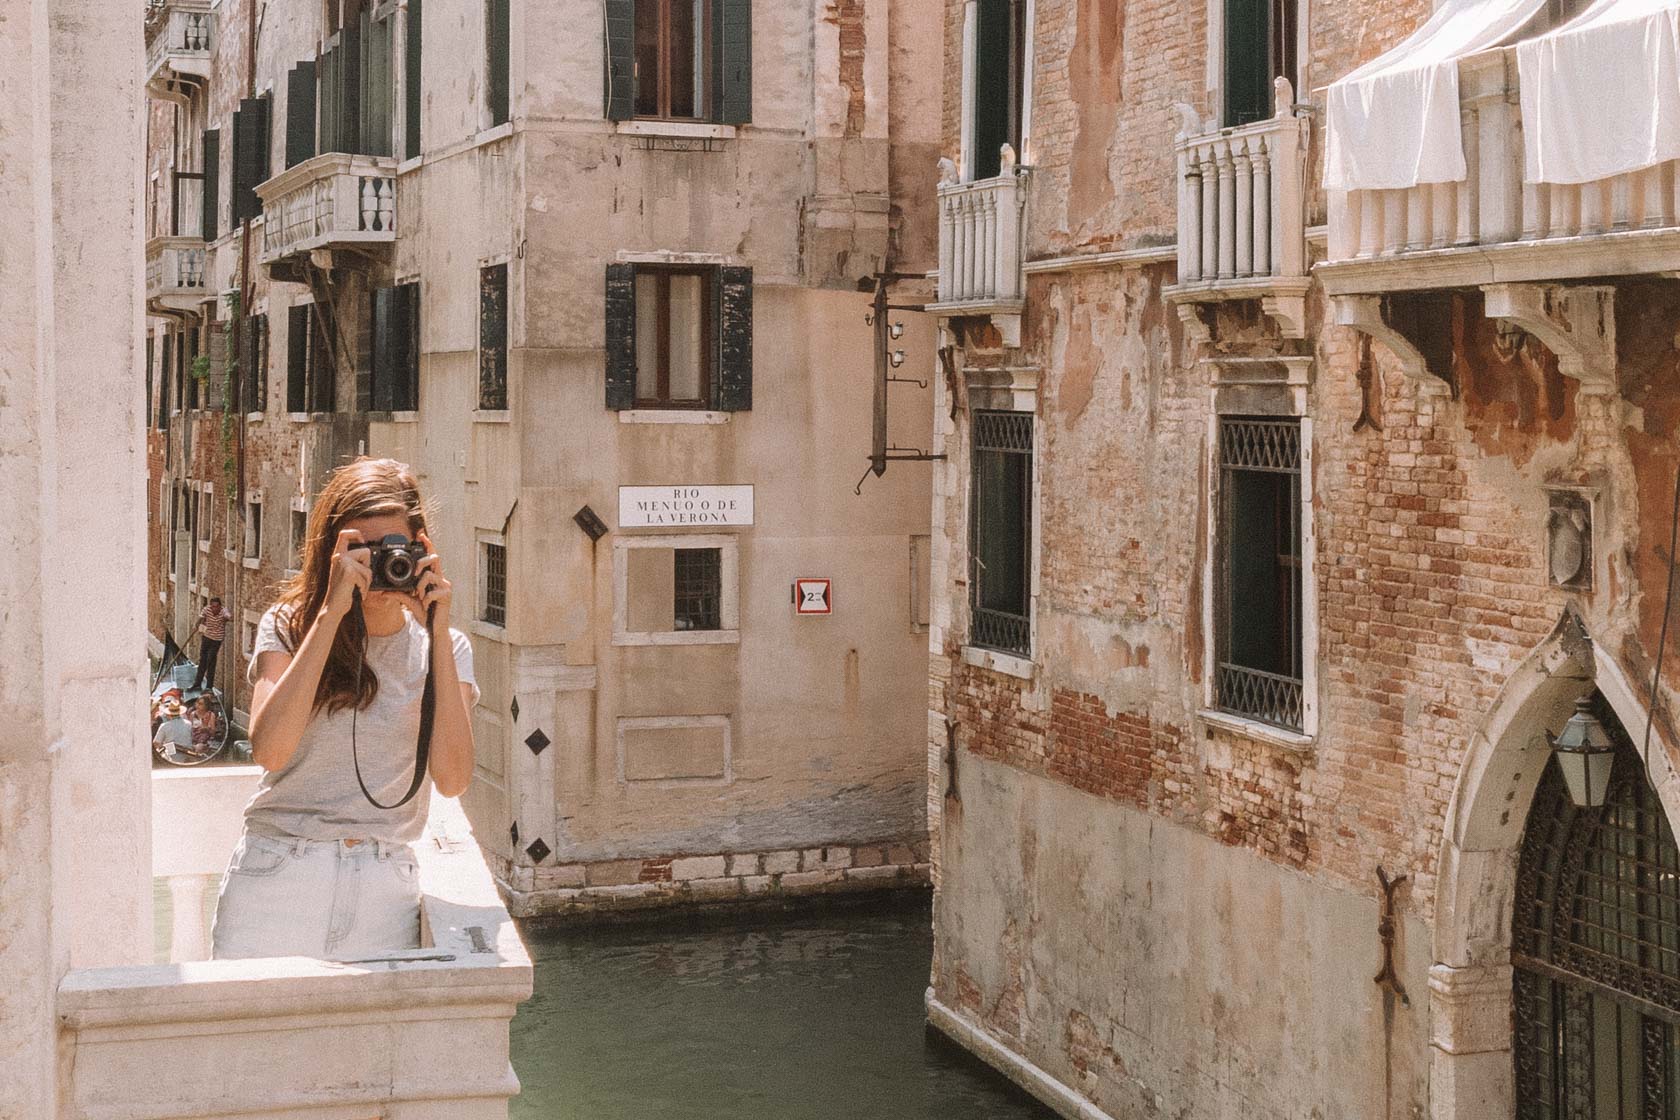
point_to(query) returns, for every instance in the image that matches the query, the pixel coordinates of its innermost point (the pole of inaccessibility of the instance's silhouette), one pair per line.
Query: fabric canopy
(1601, 94)
(1393, 123)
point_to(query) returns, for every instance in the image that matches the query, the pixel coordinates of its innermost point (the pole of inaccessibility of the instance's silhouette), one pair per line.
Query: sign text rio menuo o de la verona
(664, 507)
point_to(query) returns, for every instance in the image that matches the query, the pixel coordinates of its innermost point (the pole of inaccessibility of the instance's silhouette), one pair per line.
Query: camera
(396, 563)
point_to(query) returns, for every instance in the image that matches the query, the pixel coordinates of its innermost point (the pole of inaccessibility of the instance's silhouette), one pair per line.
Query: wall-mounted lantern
(1585, 755)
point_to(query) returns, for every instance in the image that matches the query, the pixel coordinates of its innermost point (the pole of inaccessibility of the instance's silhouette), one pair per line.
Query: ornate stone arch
(1470, 981)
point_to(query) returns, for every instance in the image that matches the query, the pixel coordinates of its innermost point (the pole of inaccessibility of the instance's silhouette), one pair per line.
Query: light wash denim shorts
(317, 898)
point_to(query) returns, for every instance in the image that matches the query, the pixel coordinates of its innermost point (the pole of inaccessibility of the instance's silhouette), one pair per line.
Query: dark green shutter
(212, 167)
(732, 383)
(1248, 71)
(384, 348)
(215, 379)
(322, 376)
(993, 64)
(297, 358)
(496, 35)
(732, 61)
(253, 363)
(411, 82)
(621, 336)
(330, 83)
(165, 374)
(406, 397)
(621, 60)
(375, 86)
(492, 337)
(250, 156)
(300, 113)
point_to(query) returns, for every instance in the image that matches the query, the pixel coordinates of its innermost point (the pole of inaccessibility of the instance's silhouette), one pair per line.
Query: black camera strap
(428, 698)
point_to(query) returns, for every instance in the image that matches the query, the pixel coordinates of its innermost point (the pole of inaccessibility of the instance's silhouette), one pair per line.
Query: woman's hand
(431, 590)
(349, 573)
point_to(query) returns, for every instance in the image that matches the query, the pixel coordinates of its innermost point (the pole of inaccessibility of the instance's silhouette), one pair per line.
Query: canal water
(810, 1018)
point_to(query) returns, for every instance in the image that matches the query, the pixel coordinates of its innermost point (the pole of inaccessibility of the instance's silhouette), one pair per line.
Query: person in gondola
(324, 867)
(212, 621)
(174, 734)
(206, 725)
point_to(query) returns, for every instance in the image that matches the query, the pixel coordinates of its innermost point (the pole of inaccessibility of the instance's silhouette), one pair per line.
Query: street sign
(813, 596)
(643, 507)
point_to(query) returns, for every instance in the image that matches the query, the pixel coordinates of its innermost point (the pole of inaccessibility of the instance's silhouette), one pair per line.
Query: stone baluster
(1227, 209)
(1189, 217)
(1563, 220)
(1652, 196)
(947, 246)
(1243, 239)
(1265, 219)
(1593, 211)
(1210, 212)
(1443, 202)
(988, 245)
(1469, 191)
(1370, 223)
(1417, 216)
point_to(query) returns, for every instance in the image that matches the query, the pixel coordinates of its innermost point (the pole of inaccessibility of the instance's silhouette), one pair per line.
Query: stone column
(74, 853)
(1470, 1075)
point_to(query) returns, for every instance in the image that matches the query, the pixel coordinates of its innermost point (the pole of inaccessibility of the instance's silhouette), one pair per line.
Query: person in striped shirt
(212, 620)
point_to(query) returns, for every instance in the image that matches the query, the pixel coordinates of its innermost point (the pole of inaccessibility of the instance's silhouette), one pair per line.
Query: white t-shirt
(315, 795)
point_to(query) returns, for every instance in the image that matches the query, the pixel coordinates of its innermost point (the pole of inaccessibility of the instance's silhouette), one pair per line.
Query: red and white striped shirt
(214, 623)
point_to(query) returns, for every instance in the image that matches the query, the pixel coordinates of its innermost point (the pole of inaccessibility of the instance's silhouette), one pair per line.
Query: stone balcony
(981, 235)
(180, 42)
(1241, 216)
(412, 1035)
(175, 273)
(332, 202)
(1527, 247)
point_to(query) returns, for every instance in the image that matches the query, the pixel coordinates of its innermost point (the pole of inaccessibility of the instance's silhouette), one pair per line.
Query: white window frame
(249, 622)
(729, 600)
(300, 504)
(1210, 713)
(1216, 53)
(247, 557)
(1009, 664)
(481, 584)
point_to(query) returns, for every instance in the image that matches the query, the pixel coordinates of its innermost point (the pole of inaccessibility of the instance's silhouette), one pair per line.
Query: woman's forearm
(452, 738)
(279, 718)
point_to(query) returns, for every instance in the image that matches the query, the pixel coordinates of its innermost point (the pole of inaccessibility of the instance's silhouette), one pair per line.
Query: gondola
(207, 726)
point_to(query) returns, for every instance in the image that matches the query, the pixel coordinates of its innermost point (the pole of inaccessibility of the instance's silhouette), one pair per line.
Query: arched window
(1596, 950)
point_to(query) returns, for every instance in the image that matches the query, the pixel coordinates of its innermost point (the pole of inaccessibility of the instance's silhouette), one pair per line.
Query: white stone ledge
(977, 1041)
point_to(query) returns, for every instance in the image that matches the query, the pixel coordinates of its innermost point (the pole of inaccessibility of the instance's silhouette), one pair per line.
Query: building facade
(600, 271)
(1281, 525)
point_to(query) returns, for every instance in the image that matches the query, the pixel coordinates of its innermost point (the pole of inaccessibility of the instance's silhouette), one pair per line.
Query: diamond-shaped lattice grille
(1003, 431)
(1263, 696)
(538, 851)
(1260, 445)
(537, 741)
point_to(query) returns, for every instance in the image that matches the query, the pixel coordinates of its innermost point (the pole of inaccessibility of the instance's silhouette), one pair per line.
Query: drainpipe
(236, 584)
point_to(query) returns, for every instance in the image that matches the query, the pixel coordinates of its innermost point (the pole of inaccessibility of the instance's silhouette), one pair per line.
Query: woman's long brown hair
(364, 488)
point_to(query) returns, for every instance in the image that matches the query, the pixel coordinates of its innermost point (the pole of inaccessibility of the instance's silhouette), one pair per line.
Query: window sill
(1259, 732)
(204, 547)
(290, 573)
(402, 416)
(676, 130)
(307, 417)
(671, 416)
(229, 554)
(680, 638)
(488, 630)
(254, 417)
(493, 133)
(412, 163)
(1005, 663)
(492, 416)
(252, 562)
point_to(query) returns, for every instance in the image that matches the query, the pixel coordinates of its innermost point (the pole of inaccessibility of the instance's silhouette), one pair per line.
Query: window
(204, 514)
(688, 60)
(354, 88)
(300, 112)
(300, 537)
(310, 384)
(1000, 68)
(411, 81)
(253, 529)
(165, 374)
(253, 363)
(1260, 46)
(492, 574)
(679, 337)
(680, 589)
(498, 60)
(248, 623)
(208, 213)
(492, 337)
(673, 337)
(231, 535)
(1000, 560)
(1258, 571)
(396, 348)
(187, 356)
(698, 602)
(250, 157)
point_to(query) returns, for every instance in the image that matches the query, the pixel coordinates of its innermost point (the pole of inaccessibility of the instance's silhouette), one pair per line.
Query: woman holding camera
(324, 867)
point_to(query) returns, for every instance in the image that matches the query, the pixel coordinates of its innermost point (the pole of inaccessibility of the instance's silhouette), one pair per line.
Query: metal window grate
(699, 589)
(1000, 545)
(1260, 445)
(1267, 697)
(1596, 944)
(1010, 432)
(493, 609)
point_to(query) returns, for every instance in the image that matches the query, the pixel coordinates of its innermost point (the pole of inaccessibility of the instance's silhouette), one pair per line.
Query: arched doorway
(1595, 951)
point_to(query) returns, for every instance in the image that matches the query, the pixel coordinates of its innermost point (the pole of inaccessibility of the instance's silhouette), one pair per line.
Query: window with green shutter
(396, 348)
(250, 157)
(412, 56)
(212, 167)
(297, 358)
(376, 86)
(1260, 41)
(492, 337)
(498, 59)
(300, 113)
(679, 60)
(679, 337)
(253, 363)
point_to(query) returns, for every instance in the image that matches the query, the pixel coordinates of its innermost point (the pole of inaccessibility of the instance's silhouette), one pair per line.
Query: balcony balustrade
(981, 235)
(1520, 243)
(331, 201)
(175, 273)
(412, 1035)
(180, 39)
(1241, 231)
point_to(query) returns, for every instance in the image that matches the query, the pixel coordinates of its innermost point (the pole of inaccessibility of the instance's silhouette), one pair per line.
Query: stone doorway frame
(1471, 1076)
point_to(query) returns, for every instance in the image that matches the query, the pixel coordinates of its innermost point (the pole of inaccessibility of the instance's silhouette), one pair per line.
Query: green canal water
(810, 1018)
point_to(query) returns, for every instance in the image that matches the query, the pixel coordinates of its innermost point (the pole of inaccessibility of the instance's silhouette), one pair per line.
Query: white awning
(1393, 123)
(1601, 94)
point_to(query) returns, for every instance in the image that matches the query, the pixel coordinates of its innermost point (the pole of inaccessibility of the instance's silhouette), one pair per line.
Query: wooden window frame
(662, 77)
(708, 336)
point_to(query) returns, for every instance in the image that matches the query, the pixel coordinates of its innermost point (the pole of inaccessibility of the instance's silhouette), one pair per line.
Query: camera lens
(399, 569)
